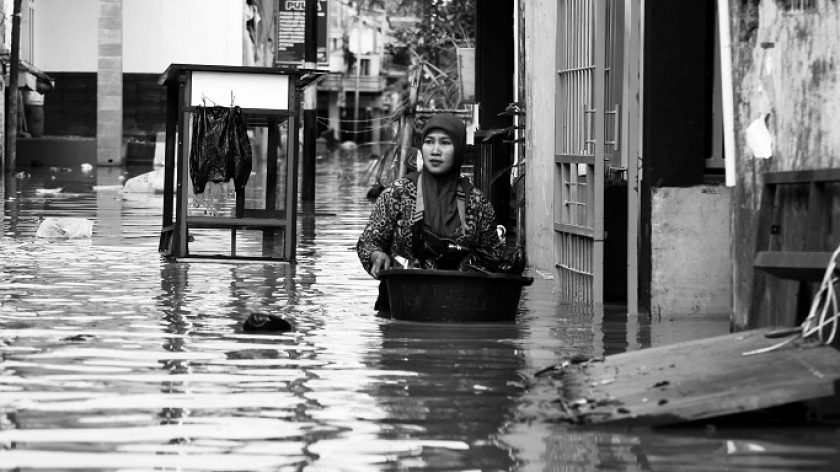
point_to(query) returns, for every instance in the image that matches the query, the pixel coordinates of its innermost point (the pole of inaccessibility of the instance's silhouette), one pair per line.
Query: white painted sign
(265, 91)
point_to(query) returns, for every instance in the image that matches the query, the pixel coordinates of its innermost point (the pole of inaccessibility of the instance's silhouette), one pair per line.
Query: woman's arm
(374, 244)
(486, 233)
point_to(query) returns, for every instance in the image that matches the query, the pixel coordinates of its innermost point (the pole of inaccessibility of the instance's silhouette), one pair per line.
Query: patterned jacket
(390, 229)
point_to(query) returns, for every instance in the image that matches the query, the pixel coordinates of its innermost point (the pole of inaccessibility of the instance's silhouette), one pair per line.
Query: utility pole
(12, 91)
(310, 103)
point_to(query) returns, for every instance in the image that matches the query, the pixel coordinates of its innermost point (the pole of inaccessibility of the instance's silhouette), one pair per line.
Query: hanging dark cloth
(221, 149)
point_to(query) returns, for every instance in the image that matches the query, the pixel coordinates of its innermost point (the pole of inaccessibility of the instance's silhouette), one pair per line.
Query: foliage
(431, 43)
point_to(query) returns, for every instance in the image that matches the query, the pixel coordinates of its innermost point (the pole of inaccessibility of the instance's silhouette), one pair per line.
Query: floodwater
(115, 359)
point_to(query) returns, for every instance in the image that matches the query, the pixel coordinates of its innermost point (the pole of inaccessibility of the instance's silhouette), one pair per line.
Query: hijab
(440, 212)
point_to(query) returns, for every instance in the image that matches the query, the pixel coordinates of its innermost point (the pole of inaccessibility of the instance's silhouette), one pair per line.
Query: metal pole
(12, 110)
(310, 103)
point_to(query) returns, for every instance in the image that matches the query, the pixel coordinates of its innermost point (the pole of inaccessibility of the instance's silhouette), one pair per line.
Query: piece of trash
(87, 167)
(149, 182)
(47, 191)
(480, 387)
(265, 323)
(662, 402)
(22, 175)
(79, 338)
(758, 138)
(661, 384)
(65, 228)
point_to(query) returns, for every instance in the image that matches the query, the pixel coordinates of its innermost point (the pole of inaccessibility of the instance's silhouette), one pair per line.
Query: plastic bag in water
(65, 228)
(150, 182)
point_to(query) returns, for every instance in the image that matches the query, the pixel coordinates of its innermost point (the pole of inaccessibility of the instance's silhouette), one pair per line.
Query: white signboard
(264, 91)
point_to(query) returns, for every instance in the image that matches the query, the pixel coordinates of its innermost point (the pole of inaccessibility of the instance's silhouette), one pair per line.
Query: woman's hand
(379, 261)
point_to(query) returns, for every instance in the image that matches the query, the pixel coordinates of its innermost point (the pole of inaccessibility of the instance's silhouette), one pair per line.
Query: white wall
(540, 73)
(156, 33)
(65, 35)
(160, 32)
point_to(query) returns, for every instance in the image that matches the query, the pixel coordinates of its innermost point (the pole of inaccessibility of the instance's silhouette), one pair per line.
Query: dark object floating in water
(452, 296)
(265, 323)
(79, 338)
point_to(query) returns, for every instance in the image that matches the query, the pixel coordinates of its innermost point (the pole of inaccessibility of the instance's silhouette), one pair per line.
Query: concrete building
(622, 143)
(106, 96)
(106, 56)
(354, 98)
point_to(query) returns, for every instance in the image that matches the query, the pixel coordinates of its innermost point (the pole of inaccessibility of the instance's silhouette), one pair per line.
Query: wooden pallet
(697, 380)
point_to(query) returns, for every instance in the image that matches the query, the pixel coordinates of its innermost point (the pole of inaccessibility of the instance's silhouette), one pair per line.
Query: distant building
(354, 101)
(105, 57)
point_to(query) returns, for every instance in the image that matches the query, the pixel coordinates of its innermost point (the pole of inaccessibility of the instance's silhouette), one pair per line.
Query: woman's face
(438, 152)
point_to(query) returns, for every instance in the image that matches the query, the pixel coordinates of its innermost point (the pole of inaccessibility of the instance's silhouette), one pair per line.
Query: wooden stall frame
(174, 239)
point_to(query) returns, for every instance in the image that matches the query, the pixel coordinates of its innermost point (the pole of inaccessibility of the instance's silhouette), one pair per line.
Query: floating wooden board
(697, 380)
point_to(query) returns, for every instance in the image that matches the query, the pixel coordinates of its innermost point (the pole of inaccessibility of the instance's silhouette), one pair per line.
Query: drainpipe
(726, 91)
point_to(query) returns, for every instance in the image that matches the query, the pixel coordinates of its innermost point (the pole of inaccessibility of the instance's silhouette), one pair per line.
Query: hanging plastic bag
(221, 148)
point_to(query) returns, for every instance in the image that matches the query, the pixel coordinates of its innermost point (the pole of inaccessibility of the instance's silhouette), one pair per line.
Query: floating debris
(104, 188)
(265, 323)
(65, 228)
(49, 191)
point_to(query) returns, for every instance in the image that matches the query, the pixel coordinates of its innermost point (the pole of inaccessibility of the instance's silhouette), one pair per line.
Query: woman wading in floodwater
(432, 218)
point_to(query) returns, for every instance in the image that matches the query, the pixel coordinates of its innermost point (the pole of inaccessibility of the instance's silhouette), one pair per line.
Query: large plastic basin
(447, 296)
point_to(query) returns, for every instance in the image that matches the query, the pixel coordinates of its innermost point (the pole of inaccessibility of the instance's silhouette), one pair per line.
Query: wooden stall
(255, 222)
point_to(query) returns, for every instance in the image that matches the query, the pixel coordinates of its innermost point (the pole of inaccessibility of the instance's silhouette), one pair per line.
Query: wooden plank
(801, 176)
(239, 223)
(697, 380)
(793, 265)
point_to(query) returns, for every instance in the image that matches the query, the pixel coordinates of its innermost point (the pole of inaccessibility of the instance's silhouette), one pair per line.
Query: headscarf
(440, 191)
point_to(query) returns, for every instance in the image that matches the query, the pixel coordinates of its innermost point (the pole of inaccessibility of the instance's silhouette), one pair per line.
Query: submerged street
(115, 359)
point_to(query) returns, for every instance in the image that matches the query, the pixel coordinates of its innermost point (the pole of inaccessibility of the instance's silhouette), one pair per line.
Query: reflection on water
(114, 359)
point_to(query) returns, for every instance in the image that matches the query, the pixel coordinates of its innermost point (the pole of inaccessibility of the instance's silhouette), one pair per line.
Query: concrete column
(109, 85)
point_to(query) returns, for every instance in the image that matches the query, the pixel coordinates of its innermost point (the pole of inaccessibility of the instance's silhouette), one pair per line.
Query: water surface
(116, 359)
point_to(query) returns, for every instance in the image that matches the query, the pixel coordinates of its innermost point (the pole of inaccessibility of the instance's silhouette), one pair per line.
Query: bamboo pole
(407, 119)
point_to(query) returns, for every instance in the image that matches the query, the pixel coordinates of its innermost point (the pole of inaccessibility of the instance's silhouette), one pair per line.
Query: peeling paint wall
(540, 72)
(786, 55)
